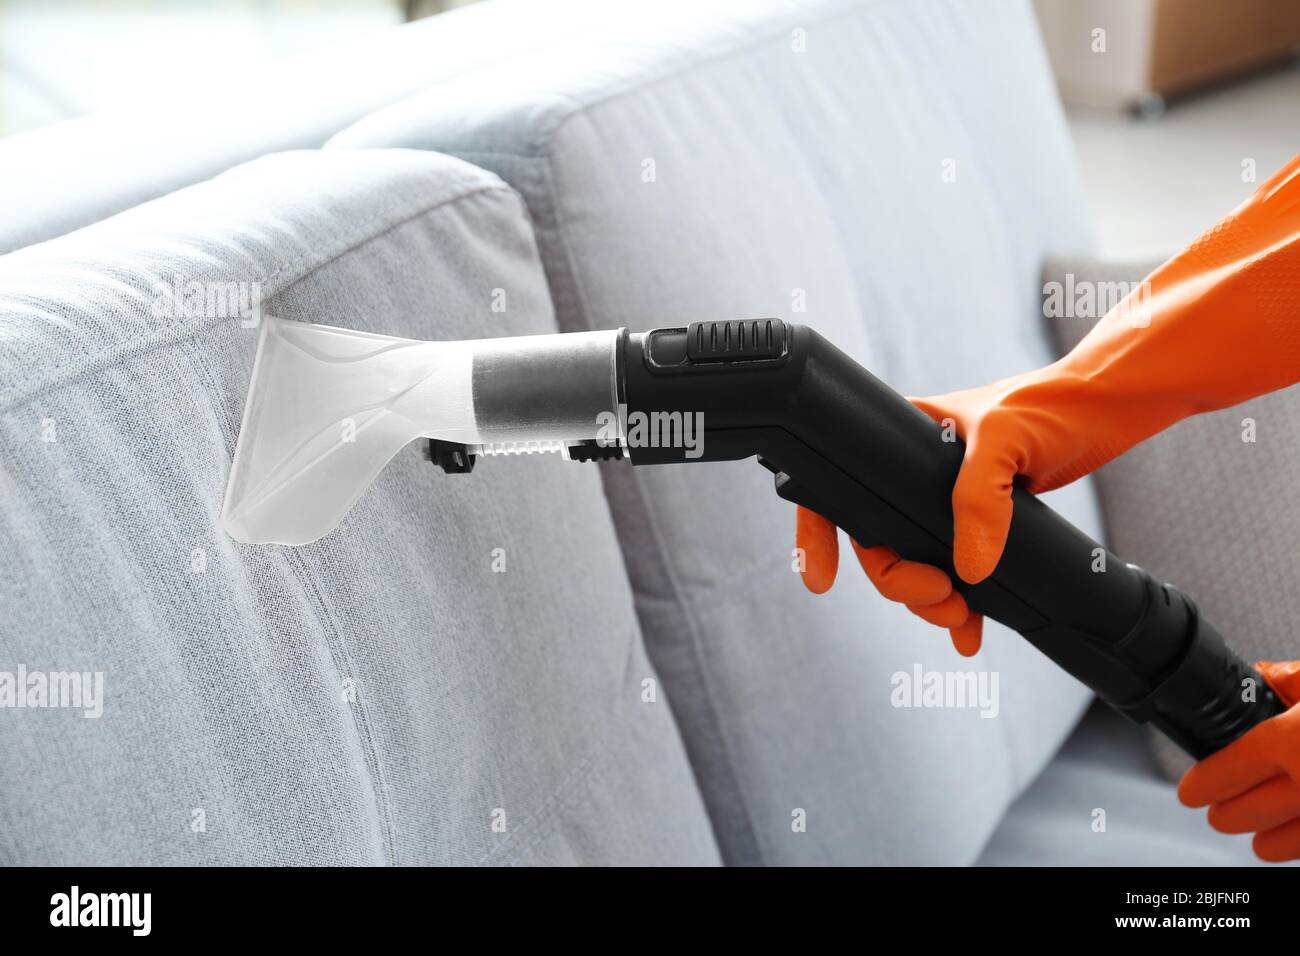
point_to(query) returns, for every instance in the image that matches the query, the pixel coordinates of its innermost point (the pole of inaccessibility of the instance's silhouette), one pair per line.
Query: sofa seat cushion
(1104, 802)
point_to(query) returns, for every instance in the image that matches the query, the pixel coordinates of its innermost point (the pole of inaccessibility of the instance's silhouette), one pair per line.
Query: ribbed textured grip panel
(735, 340)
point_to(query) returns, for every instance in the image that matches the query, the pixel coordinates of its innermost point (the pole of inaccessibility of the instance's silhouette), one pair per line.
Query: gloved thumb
(981, 506)
(981, 497)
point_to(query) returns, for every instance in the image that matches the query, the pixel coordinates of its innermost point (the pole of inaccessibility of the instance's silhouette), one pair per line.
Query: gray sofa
(545, 662)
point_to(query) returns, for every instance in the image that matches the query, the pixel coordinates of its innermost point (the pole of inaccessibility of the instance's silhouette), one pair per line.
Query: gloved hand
(1253, 784)
(1215, 325)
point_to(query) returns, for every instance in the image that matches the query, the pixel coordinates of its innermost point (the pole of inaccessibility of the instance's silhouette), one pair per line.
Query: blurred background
(1174, 104)
(1178, 108)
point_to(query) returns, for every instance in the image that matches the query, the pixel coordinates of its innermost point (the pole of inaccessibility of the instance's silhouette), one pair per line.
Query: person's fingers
(927, 592)
(1283, 677)
(1272, 803)
(820, 543)
(950, 612)
(968, 636)
(907, 582)
(981, 504)
(1253, 784)
(1279, 844)
(1245, 763)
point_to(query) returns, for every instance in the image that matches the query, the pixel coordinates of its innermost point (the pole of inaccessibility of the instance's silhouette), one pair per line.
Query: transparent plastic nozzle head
(328, 408)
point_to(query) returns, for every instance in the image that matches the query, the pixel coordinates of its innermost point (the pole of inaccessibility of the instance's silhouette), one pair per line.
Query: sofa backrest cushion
(62, 177)
(454, 675)
(890, 173)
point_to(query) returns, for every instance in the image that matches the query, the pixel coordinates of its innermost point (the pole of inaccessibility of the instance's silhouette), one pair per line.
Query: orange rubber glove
(1253, 784)
(1215, 325)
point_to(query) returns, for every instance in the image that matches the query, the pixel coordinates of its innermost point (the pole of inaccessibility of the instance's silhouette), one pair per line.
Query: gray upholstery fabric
(1103, 802)
(62, 177)
(381, 696)
(1204, 508)
(892, 174)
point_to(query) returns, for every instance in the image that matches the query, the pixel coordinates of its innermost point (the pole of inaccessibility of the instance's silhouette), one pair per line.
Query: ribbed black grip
(737, 340)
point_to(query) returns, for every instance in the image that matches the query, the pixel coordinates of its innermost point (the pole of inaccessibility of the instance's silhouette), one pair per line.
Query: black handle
(850, 448)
